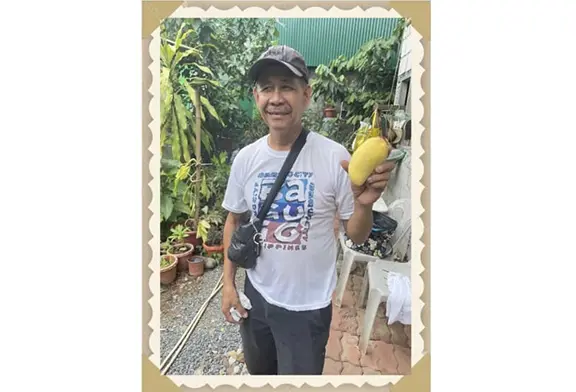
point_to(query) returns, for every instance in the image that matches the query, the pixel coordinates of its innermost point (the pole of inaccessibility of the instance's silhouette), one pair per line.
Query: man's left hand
(371, 190)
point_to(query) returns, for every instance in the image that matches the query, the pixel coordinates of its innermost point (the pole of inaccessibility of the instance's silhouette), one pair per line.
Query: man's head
(281, 89)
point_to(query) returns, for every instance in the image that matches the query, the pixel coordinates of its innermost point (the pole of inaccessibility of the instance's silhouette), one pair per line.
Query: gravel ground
(214, 347)
(213, 341)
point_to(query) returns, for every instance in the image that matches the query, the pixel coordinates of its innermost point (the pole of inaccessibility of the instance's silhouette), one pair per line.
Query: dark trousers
(277, 341)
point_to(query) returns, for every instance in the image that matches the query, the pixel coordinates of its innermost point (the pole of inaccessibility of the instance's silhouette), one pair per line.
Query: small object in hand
(246, 304)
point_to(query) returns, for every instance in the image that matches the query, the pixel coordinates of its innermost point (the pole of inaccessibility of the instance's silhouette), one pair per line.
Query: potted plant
(330, 86)
(164, 246)
(193, 237)
(329, 109)
(196, 265)
(179, 248)
(179, 233)
(213, 243)
(168, 268)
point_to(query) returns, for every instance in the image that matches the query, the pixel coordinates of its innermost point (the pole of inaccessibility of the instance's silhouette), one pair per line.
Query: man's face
(281, 98)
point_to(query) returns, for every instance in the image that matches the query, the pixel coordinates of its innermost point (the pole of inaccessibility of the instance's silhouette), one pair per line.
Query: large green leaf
(204, 69)
(166, 54)
(184, 142)
(182, 126)
(186, 195)
(207, 140)
(169, 164)
(183, 172)
(204, 189)
(181, 55)
(163, 135)
(211, 109)
(181, 36)
(166, 206)
(167, 94)
(211, 46)
(180, 178)
(179, 189)
(166, 91)
(180, 206)
(184, 36)
(175, 138)
(192, 94)
(204, 81)
(203, 227)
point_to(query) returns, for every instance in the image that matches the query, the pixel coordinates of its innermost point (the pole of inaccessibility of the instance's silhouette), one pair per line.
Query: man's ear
(308, 94)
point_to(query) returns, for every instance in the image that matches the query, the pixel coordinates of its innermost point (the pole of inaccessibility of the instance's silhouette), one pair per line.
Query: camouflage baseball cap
(280, 54)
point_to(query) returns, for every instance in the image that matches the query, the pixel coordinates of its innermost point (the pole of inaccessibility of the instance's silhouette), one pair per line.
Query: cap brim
(259, 65)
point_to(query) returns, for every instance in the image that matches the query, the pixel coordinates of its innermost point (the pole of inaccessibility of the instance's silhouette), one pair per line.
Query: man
(290, 289)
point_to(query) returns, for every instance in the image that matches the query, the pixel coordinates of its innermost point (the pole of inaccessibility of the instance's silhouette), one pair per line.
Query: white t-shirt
(296, 269)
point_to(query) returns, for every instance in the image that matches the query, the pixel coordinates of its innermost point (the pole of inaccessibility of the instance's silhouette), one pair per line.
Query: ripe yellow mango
(371, 153)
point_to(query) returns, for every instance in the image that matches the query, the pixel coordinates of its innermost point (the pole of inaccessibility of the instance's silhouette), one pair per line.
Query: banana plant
(177, 120)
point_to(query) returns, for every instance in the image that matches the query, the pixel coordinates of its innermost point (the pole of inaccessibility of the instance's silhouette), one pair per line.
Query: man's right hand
(230, 299)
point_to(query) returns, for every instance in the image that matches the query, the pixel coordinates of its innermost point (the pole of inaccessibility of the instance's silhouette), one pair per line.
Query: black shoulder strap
(290, 159)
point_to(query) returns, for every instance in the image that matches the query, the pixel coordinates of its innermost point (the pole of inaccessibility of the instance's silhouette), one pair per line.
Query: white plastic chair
(399, 210)
(376, 279)
(349, 256)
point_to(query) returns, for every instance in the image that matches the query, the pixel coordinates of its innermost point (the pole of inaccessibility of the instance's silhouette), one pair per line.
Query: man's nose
(276, 97)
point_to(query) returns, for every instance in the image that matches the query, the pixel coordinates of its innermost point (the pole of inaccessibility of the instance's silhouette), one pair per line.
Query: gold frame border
(153, 13)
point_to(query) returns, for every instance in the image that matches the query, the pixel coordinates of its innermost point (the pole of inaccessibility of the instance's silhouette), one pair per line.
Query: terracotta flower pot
(211, 249)
(329, 112)
(182, 256)
(168, 274)
(192, 240)
(196, 265)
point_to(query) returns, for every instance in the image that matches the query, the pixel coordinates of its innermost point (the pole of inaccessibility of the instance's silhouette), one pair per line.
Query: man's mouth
(272, 113)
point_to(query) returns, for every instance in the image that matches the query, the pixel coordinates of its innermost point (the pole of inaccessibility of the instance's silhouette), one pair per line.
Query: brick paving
(388, 352)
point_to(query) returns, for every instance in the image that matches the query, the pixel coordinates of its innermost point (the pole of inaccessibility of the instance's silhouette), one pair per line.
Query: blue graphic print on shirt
(288, 221)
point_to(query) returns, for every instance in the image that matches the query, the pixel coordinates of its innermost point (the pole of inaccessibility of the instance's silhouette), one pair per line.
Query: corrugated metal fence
(322, 39)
